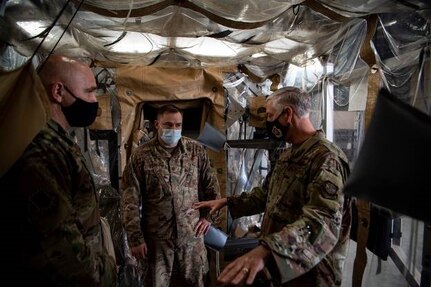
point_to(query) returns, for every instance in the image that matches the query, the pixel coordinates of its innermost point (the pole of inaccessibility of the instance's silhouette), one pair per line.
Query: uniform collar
(58, 129)
(298, 151)
(180, 148)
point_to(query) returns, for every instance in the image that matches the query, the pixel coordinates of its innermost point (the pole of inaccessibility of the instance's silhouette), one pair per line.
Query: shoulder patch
(42, 201)
(329, 190)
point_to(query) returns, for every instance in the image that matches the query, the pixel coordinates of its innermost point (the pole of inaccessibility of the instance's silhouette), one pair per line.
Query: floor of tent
(386, 273)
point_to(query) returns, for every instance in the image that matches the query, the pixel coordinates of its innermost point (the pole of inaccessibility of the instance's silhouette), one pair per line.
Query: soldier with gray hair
(306, 225)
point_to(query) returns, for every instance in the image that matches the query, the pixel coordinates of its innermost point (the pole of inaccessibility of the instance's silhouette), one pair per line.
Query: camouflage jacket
(56, 222)
(165, 186)
(307, 219)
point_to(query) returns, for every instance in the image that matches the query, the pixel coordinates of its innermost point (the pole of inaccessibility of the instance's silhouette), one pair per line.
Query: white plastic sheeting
(264, 37)
(188, 33)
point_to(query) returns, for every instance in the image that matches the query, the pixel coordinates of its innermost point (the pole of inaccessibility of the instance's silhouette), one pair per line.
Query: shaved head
(66, 80)
(58, 68)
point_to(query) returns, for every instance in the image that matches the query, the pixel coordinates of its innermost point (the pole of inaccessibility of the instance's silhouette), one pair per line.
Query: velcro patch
(42, 201)
(329, 190)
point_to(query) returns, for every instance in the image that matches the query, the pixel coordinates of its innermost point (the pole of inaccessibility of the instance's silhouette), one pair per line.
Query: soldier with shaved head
(53, 234)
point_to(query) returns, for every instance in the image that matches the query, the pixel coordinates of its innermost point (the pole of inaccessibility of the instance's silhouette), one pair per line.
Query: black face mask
(80, 113)
(276, 130)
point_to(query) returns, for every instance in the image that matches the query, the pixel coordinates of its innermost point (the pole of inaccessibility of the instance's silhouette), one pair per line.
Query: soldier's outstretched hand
(213, 205)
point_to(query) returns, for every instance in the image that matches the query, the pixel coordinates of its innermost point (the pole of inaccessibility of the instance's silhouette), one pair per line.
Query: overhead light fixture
(32, 28)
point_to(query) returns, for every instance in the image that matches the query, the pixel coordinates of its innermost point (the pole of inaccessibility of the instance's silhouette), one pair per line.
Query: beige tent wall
(104, 119)
(24, 110)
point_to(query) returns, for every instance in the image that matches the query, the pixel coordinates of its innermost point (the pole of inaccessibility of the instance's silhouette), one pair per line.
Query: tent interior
(218, 61)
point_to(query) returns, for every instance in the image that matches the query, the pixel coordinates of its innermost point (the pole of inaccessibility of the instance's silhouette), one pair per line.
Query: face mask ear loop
(67, 90)
(286, 114)
(283, 112)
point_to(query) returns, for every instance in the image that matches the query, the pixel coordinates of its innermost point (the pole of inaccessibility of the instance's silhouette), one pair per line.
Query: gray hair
(290, 96)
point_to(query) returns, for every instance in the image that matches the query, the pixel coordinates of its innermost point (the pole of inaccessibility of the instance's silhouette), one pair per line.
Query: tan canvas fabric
(257, 111)
(104, 118)
(136, 85)
(24, 109)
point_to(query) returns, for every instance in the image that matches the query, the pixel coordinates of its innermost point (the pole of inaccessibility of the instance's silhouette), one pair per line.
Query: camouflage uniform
(165, 186)
(307, 219)
(53, 237)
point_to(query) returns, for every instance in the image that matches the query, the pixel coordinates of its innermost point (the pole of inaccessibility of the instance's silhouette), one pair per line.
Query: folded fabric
(24, 108)
(392, 166)
(215, 238)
